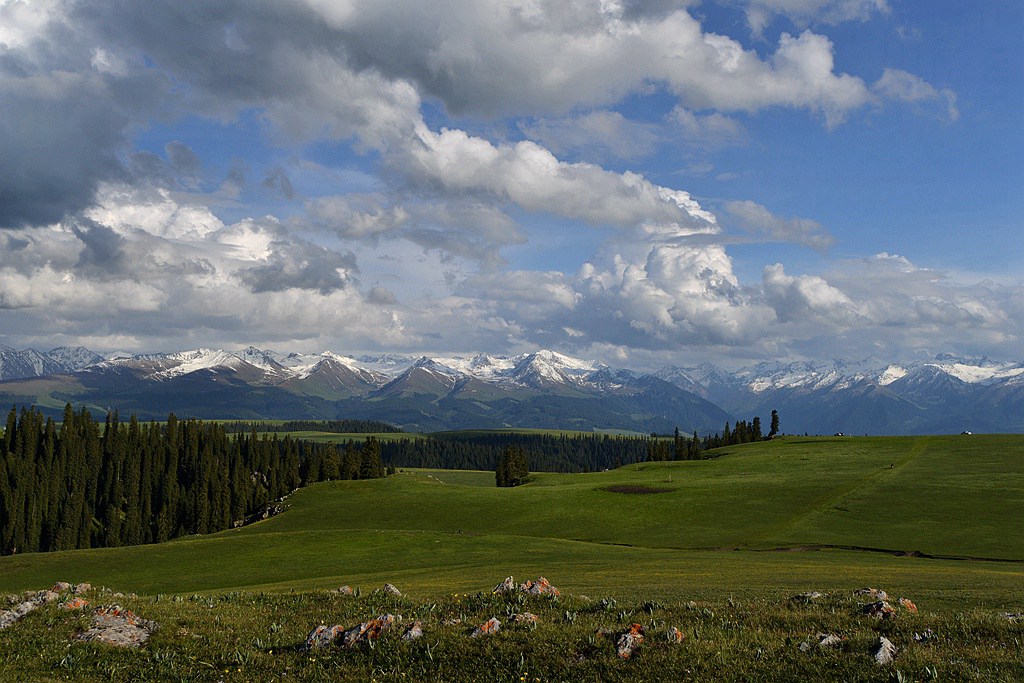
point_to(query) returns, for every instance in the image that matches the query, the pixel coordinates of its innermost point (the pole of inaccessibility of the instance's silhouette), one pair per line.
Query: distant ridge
(543, 389)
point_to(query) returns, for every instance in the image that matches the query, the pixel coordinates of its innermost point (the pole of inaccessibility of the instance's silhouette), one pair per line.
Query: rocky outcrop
(489, 627)
(630, 641)
(883, 651)
(119, 627)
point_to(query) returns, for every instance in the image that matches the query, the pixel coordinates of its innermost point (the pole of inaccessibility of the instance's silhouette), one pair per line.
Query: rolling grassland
(714, 547)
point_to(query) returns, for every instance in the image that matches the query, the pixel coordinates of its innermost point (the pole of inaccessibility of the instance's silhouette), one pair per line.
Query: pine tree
(774, 428)
(512, 469)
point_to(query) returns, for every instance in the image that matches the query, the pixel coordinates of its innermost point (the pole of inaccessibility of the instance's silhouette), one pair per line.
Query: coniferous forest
(81, 483)
(86, 484)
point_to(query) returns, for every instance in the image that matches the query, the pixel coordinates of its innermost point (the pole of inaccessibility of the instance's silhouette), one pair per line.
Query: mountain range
(544, 389)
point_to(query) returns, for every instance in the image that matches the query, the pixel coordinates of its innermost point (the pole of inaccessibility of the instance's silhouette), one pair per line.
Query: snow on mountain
(389, 364)
(74, 358)
(549, 367)
(480, 366)
(979, 374)
(26, 363)
(199, 359)
(891, 374)
(265, 360)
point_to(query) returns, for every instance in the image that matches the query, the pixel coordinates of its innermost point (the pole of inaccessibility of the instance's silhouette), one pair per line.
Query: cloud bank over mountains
(367, 175)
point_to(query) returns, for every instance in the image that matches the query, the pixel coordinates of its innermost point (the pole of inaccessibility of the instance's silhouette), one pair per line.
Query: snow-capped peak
(891, 374)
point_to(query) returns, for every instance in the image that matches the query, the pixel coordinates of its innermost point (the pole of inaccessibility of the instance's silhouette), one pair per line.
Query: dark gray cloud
(277, 183)
(182, 158)
(300, 265)
(103, 253)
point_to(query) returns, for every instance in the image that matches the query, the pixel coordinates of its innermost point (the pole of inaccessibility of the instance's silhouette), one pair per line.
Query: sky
(641, 183)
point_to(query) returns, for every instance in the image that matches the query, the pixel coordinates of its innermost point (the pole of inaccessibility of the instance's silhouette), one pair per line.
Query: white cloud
(758, 220)
(532, 177)
(803, 12)
(113, 243)
(709, 131)
(597, 134)
(896, 84)
(806, 298)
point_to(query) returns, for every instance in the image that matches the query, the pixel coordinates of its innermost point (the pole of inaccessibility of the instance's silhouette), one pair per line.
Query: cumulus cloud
(598, 134)
(804, 12)
(708, 131)
(532, 177)
(132, 246)
(896, 84)
(298, 264)
(806, 298)
(759, 221)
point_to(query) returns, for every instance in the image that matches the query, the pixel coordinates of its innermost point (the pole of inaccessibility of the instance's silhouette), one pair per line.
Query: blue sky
(638, 182)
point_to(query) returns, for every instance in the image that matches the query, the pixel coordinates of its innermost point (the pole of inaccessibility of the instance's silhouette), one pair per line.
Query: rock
(506, 586)
(75, 603)
(1013, 616)
(367, 631)
(451, 622)
(413, 631)
(880, 610)
(675, 636)
(822, 641)
(31, 602)
(927, 636)
(808, 597)
(80, 588)
(873, 593)
(487, 628)
(391, 590)
(345, 590)
(322, 636)
(525, 618)
(883, 651)
(61, 586)
(116, 626)
(908, 605)
(629, 641)
(829, 640)
(539, 587)
(46, 597)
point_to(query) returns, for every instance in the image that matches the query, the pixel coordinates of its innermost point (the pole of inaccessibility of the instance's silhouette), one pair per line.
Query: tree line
(87, 484)
(330, 426)
(693, 448)
(548, 452)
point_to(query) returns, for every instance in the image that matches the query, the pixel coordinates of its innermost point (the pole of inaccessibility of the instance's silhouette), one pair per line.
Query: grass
(258, 636)
(734, 534)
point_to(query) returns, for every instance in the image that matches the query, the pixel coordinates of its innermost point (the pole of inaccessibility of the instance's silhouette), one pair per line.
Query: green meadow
(937, 519)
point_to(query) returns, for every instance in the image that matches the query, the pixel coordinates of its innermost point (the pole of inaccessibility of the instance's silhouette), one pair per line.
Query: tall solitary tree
(512, 469)
(774, 427)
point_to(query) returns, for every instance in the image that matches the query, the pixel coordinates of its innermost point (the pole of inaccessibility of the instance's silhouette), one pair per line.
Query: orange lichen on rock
(75, 603)
(880, 610)
(367, 631)
(629, 641)
(908, 604)
(487, 628)
(539, 587)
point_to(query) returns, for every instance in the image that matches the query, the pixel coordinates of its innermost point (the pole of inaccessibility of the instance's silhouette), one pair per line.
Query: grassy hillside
(952, 497)
(714, 547)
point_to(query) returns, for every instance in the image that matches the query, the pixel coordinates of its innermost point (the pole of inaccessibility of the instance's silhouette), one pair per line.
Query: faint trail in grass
(834, 498)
